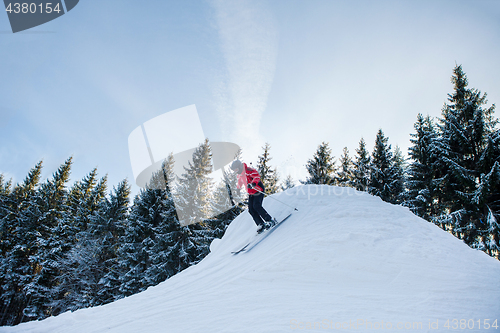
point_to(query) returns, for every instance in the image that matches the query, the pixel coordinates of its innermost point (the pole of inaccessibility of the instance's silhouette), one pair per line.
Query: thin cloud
(249, 44)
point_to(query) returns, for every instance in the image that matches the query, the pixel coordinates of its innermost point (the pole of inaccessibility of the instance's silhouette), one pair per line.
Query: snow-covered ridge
(345, 260)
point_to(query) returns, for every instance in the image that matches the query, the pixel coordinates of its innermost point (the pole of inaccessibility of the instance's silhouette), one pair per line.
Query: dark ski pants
(255, 209)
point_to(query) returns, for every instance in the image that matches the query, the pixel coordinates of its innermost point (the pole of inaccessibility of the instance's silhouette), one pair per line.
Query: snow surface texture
(345, 260)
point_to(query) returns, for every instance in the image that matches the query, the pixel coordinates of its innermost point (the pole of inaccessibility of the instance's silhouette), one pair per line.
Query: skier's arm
(255, 179)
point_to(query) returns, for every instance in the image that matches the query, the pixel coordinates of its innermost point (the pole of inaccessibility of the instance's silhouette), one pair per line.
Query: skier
(251, 178)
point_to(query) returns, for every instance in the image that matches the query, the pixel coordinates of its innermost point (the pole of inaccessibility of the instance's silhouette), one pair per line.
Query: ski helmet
(237, 166)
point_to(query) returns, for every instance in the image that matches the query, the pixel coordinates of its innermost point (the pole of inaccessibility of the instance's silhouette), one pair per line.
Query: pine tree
(321, 167)
(165, 177)
(193, 192)
(464, 127)
(288, 183)
(5, 187)
(81, 268)
(397, 177)
(109, 226)
(19, 244)
(147, 214)
(228, 195)
(487, 197)
(492, 240)
(380, 168)
(386, 171)
(52, 231)
(5, 191)
(345, 173)
(268, 175)
(160, 248)
(84, 199)
(226, 203)
(12, 202)
(361, 169)
(421, 172)
(25, 191)
(78, 277)
(223, 197)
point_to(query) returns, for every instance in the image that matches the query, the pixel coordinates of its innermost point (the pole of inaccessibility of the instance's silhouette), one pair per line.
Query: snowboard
(260, 237)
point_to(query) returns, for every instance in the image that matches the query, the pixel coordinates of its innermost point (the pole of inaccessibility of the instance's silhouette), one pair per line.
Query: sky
(293, 73)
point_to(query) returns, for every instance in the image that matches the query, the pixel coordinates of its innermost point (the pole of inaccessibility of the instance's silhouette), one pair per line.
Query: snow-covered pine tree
(194, 188)
(11, 202)
(464, 127)
(162, 246)
(26, 190)
(221, 200)
(487, 197)
(19, 243)
(223, 197)
(108, 226)
(5, 190)
(397, 176)
(344, 175)
(227, 194)
(165, 177)
(226, 203)
(134, 253)
(46, 212)
(188, 245)
(78, 278)
(5, 186)
(288, 183)
(386, 171)
(488, 190)
(380, 168)
(420, 175)
(84, 199)
(321, 167)
(492, 246)
(268, 175)
(81, 269)
(201, 209)
(361, 167)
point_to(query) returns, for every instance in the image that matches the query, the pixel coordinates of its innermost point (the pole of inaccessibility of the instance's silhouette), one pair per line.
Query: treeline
(452, 176)
(69, 247)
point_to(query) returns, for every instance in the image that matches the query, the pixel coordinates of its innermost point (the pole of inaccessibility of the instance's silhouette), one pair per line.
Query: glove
(251, 186)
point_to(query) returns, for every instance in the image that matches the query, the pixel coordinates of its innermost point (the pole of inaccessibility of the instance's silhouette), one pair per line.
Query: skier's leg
(257, 206)
(251, 209)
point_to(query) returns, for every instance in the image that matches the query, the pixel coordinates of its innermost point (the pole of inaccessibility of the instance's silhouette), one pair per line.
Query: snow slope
(346, 260)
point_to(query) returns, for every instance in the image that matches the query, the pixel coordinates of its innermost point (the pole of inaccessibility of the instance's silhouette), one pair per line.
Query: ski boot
(271, 223)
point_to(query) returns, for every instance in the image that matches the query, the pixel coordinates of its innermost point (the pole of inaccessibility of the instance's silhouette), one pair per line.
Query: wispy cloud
(249, 41)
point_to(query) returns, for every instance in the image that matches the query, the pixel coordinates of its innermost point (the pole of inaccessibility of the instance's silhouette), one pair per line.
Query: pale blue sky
(293, 73)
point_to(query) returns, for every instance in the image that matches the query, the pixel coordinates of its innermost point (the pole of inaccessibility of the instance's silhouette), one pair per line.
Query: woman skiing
(250, 178)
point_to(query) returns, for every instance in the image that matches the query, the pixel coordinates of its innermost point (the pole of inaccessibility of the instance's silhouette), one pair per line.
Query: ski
(254, 242)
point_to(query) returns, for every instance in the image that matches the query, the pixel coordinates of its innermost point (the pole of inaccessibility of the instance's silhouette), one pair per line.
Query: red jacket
(250, 176)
